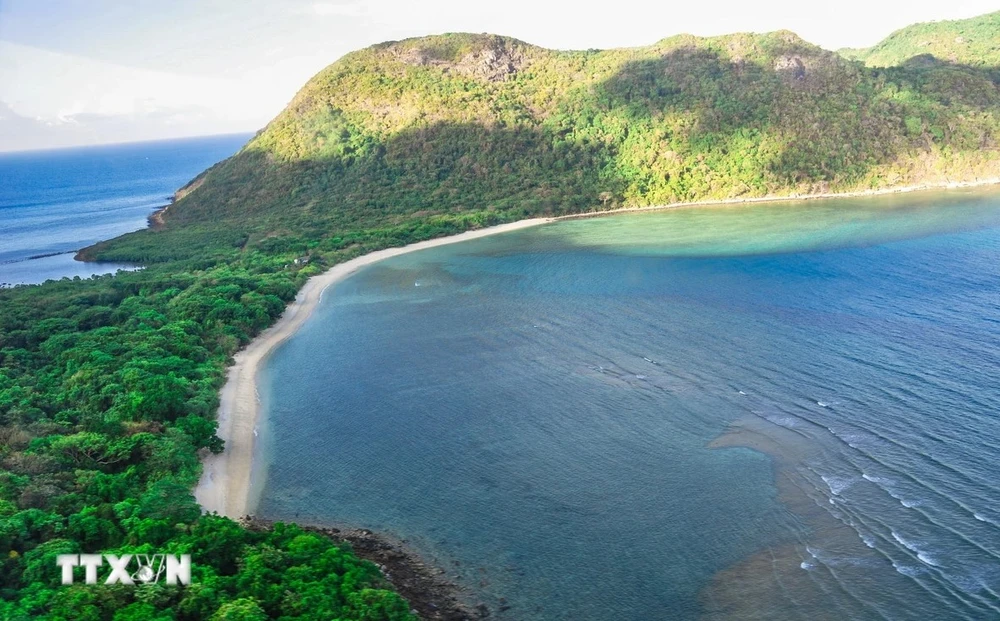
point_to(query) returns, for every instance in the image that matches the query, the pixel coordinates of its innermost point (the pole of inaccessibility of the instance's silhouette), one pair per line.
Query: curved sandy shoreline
(225, 480)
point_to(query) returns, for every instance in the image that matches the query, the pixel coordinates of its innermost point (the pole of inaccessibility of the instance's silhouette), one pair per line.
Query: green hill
(457, 130)
(974, 42)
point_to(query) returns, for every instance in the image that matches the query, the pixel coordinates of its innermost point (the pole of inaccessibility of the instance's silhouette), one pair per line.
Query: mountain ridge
(971, 41)
(472, 129)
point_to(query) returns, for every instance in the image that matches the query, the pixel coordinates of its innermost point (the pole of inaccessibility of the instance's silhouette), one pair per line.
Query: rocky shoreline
(427, 589)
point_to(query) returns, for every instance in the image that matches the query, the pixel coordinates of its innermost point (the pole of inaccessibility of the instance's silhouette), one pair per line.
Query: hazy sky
(93, 71)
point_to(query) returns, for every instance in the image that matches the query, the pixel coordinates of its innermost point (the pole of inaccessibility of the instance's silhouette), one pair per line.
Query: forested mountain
(109, 386)
(466, 126)
(974, 42)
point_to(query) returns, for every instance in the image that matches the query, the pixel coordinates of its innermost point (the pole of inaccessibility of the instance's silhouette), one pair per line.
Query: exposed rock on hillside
(495, 63)
(496, 60)
(790, 66)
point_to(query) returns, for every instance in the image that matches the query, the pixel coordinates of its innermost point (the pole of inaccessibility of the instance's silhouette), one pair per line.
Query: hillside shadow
(425, 181)
(947, 82)
(689, 124)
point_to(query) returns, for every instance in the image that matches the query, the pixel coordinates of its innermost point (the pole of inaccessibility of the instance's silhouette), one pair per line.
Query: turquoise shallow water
(541, 412)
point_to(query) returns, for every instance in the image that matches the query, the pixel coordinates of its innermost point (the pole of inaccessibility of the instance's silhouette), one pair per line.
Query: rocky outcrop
(498, 59)
(790, 67)
(495, 63)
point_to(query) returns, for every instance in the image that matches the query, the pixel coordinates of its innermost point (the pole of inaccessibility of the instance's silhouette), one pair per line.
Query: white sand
(225, 481)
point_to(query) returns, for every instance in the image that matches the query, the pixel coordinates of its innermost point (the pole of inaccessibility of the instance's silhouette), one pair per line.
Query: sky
(76, 72)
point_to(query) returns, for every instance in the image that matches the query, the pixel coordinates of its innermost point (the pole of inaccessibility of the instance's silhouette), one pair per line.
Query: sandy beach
(225, 480)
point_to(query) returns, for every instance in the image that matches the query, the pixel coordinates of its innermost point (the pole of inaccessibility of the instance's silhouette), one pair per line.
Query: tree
(242, 609)
(169, 500)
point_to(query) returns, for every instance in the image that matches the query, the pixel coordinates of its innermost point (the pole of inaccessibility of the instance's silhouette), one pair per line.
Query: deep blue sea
(777, 411)
(52, 203)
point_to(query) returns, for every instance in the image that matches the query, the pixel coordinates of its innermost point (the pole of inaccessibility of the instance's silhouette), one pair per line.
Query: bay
(764, 411)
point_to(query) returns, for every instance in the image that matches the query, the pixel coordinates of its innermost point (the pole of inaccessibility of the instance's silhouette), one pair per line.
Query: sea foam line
(916, 548)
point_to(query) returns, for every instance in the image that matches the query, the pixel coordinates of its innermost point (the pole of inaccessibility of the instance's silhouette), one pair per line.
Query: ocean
(770, 411)
(52, 203)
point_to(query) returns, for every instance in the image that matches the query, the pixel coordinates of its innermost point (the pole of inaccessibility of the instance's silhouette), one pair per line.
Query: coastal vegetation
(108, 389)
(109, 386)
(972, 42)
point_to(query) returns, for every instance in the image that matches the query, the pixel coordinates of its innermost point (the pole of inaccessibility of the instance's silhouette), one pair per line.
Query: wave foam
(856, 440)
(908, 570)
(788, 422)
(917, 548)
(887, 486)
(927, 559)
(838, 484)
(832, 560)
